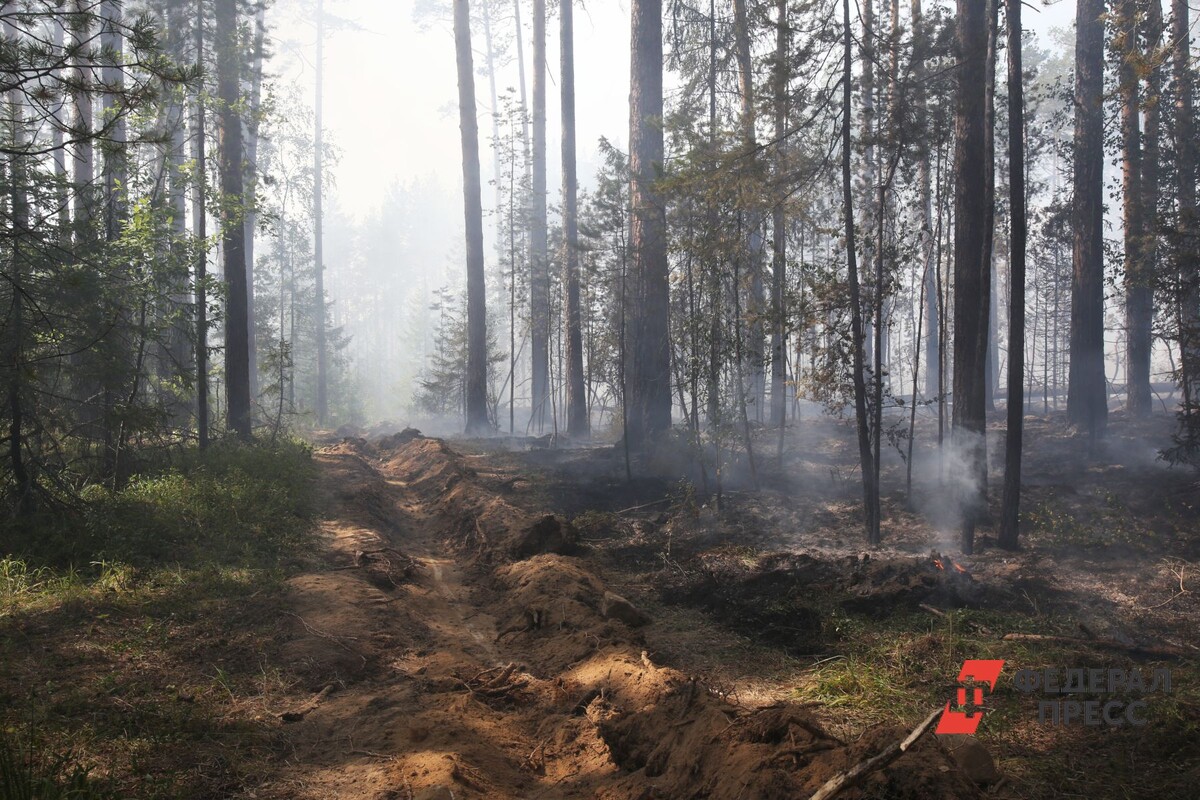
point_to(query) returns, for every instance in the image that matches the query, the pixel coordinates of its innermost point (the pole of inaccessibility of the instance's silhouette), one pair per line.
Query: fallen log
(844, 780)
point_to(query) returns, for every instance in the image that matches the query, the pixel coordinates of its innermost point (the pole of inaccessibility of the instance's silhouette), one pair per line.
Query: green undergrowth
(139, 627)
(232, 507)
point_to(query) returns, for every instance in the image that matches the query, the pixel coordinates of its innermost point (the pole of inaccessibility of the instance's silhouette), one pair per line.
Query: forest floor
(480, 619)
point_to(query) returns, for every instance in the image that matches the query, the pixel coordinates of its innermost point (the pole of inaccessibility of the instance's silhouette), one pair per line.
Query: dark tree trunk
(578, 425)
(1011, 509)
(871, 511)
(971, 286)
(650, 367)
(233, 231)
(1087, 391)
(476, 379)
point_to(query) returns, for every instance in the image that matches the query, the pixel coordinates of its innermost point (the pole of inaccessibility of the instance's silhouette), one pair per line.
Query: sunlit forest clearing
(717, 399)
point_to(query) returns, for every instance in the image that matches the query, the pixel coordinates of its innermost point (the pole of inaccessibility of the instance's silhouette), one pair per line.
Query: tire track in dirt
(455, 648)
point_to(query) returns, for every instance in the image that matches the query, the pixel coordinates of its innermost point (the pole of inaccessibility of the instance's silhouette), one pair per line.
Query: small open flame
(940, 563)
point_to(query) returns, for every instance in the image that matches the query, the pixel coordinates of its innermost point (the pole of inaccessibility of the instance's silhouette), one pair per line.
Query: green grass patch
(138, 628)
(232, 506)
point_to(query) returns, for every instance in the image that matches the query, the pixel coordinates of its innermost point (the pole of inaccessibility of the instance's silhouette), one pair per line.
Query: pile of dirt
(392, 441)
(478, 521)
(428, 467)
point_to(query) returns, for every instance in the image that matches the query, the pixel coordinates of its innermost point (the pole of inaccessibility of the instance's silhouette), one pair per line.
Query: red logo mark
(977, 671)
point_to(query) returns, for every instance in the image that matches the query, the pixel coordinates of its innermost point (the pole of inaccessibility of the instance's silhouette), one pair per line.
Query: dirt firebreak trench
(459, 646)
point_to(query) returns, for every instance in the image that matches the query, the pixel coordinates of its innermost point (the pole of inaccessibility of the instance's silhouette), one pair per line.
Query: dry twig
(844, 780)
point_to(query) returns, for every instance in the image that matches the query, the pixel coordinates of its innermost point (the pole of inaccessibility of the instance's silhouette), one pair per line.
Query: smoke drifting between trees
(805, 209)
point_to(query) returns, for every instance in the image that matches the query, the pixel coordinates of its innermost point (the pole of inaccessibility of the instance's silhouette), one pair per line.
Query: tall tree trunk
(1187, 253)
(539, 284)
(113, 75)
(1011, 509)
(971, 287)
(521, 80)
(716, 326)
(932, 322)
(476, 378)
(871, 511)
(1087, 390)
(22, 470)
(257, 54)
(651, 351)
(526, 199)
(199, 230)
(115, 181)
(177, 359)
(779, 327)
(578, 425)
(1151, 163)
(319, 222)
(57, 142)
(1138, 298)
(869, 167)
(233, 231)
(754, 240)
(490, 46)
(84, 165)
(990, 353)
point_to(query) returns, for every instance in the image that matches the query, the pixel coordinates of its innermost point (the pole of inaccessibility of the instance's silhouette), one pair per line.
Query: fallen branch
(311, 705)
(1164, 650)
(845, 780)
(1180, 571)
(644, 505)
(935, 611)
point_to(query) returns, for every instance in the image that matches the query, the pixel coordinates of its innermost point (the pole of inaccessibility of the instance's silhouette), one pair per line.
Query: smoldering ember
(639, 400)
